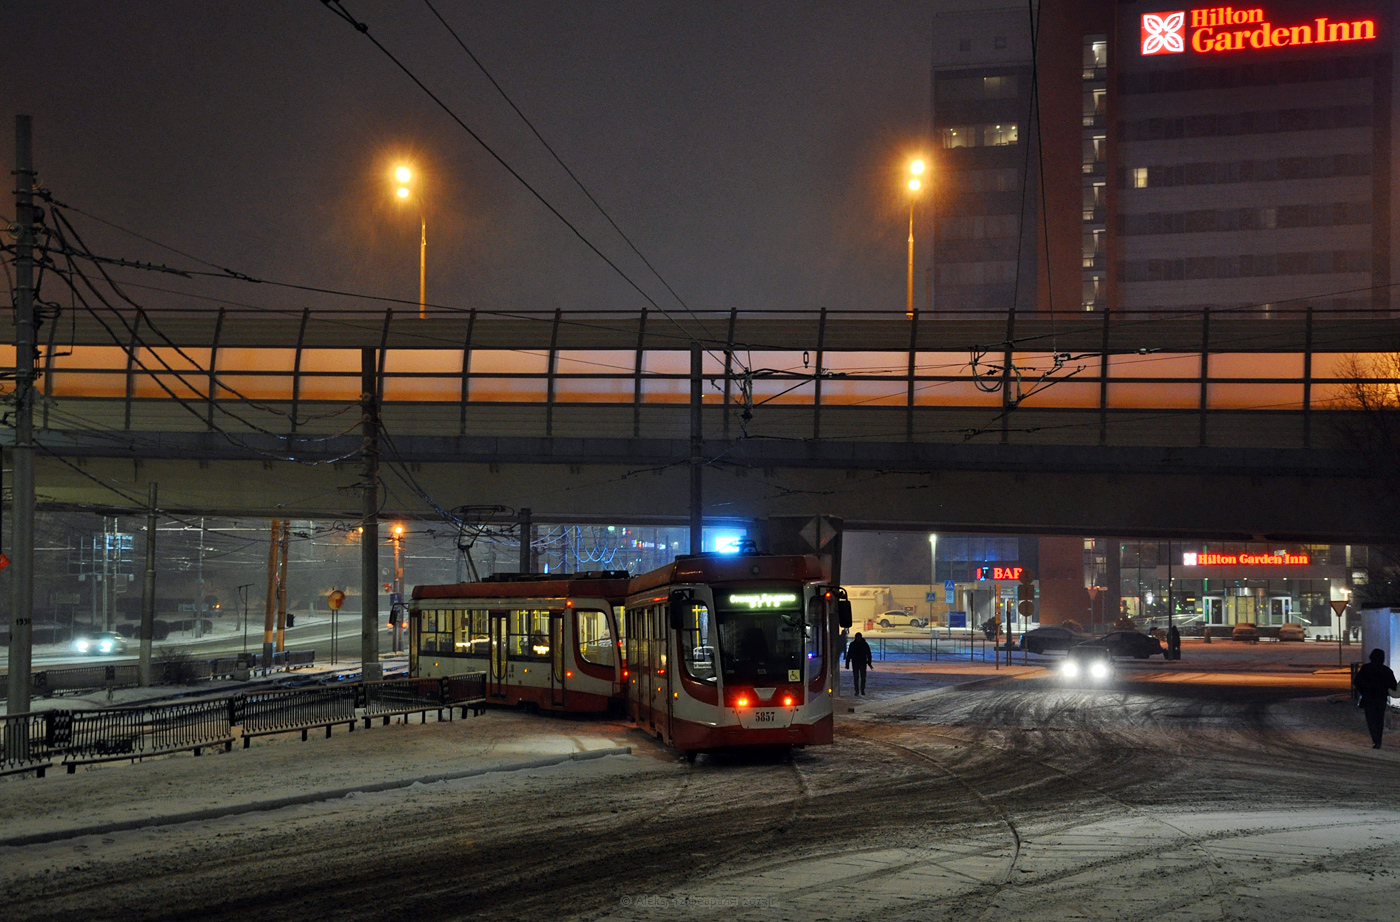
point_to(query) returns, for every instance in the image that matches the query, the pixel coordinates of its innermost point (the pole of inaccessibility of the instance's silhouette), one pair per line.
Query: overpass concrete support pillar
(1062, 592)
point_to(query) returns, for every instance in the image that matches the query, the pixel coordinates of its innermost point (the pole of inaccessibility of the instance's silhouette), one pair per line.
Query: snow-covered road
(1021, 799)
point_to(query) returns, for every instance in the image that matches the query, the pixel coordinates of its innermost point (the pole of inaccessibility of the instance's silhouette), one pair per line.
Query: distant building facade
(1153, 157)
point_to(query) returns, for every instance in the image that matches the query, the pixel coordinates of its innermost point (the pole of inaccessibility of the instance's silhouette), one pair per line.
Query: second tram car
(551, 641)
(731, 650)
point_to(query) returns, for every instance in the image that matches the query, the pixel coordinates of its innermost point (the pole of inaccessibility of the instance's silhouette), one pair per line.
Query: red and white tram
(550, 641)
(731, 650)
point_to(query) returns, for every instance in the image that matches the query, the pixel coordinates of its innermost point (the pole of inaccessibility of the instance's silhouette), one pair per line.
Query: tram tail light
(788, 701)
(741, 702)
(741, 698)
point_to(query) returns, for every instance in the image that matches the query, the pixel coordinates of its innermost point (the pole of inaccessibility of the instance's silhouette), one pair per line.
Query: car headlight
(1099, 669)
(1070, 668)
(81, 645)
(106, 646)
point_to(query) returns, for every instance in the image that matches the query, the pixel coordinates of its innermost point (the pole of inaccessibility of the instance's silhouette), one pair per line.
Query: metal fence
(50, 682)
(38, 741)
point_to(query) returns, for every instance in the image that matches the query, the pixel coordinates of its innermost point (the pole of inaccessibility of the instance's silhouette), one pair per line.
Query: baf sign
(1224, 28)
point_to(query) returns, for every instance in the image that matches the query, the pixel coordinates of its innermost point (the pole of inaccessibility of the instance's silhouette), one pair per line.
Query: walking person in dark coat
(858, 659)
(1374, 682)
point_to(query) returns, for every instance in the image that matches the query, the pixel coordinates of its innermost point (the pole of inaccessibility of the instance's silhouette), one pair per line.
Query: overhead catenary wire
(338, 8)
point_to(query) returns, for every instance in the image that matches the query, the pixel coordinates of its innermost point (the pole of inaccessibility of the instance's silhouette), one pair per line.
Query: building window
(999, 135)
(1003, 87)
(1140, 178)
(958, 136)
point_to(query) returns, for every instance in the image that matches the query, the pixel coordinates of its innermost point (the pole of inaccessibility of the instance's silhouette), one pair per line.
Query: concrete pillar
(1062, 592)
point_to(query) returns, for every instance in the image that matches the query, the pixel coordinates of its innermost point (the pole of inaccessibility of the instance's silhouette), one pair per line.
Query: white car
(899, 618)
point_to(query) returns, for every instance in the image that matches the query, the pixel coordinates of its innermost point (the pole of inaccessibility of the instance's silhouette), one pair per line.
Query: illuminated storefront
(1207, 583)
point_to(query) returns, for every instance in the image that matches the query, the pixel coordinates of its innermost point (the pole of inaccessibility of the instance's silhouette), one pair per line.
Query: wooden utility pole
(282, 585)
(22, 554)
(269, 611)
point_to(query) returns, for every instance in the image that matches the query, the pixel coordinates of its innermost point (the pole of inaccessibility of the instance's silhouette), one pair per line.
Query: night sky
(752, 151)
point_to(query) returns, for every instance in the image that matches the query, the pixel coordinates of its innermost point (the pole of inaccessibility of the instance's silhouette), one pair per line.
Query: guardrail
(38, 741)
(49, 682)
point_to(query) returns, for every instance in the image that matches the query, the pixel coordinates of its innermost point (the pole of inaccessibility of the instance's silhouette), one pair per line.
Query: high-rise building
(1146, 156)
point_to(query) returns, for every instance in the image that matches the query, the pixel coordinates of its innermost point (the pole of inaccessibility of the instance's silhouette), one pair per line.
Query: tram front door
(556, 652)
(496, 681)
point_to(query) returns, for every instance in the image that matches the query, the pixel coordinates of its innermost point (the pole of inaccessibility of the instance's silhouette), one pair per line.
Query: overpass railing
(1209, 377)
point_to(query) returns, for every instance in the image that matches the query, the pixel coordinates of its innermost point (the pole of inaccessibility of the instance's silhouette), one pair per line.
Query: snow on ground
(955, 791)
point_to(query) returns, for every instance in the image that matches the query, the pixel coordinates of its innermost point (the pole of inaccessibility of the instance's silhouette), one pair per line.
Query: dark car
(1050, 639)
(101, 643)
(1126, 643)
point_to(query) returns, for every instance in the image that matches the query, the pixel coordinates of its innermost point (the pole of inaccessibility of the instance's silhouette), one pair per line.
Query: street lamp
(916, 169)
(406, 190)
(933, 574)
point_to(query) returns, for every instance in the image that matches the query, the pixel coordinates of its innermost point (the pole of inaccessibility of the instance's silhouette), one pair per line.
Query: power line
(557, 159)
(338, 8)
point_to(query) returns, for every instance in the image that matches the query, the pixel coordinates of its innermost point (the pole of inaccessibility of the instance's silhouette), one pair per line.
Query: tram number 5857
(765, 717)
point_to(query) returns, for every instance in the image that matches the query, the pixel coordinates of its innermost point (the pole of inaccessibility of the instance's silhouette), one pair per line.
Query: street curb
(214, 813)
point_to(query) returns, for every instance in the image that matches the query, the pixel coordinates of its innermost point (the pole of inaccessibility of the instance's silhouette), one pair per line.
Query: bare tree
(1367, 419)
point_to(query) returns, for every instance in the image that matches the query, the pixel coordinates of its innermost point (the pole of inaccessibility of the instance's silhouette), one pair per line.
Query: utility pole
(22, 607)
(370, 669)
(199, 584)
(697, 443)
(148, 594)
(271, 606)
(282, 585)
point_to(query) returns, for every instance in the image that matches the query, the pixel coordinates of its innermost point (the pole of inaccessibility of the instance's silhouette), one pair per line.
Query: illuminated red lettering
(1211, 31)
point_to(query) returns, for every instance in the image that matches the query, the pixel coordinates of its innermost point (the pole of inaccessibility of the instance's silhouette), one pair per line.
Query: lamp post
(916, 169)
(932, 574)
(405, 177)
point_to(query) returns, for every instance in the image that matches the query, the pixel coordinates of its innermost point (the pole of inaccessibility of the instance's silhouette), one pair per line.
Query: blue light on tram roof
(728, 542)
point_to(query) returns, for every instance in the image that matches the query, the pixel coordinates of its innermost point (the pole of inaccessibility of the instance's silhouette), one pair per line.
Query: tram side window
(435, 631)
(816, 634)
(697, 644)
(529, 633)
(636, 621)
(595, 642)
(472, 634)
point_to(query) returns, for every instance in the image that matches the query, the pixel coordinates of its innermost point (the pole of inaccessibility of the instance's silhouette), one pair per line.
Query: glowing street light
(916, 169)
(405, 191)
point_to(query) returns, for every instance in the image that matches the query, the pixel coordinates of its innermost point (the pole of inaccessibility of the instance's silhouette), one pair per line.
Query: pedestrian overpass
(1202, 424)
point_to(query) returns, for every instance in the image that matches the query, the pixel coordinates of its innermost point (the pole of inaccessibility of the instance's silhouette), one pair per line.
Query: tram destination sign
(775, 599)
(1208, 30)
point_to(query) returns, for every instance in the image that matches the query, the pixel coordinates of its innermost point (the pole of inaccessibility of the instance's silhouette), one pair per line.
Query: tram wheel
(690, 756)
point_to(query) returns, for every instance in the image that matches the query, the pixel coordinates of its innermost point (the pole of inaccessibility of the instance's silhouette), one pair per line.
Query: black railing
(49, 682)
(37, 741)
(284, 711)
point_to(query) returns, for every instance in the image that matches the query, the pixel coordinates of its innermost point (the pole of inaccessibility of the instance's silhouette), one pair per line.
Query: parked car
(1126, 643)
(899, 618)
(1292, 631)
(1087, 662)
(104, 642)
(1246, 632)
(1052, 638)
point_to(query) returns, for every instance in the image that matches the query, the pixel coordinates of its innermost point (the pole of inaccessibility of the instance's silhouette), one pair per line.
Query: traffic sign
(929, 597)
(949, 585)
(1339, 606)
(957, 619)
(1026, 607)
(335, 599)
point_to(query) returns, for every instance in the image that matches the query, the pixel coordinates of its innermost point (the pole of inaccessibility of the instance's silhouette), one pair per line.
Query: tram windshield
(761, 636)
